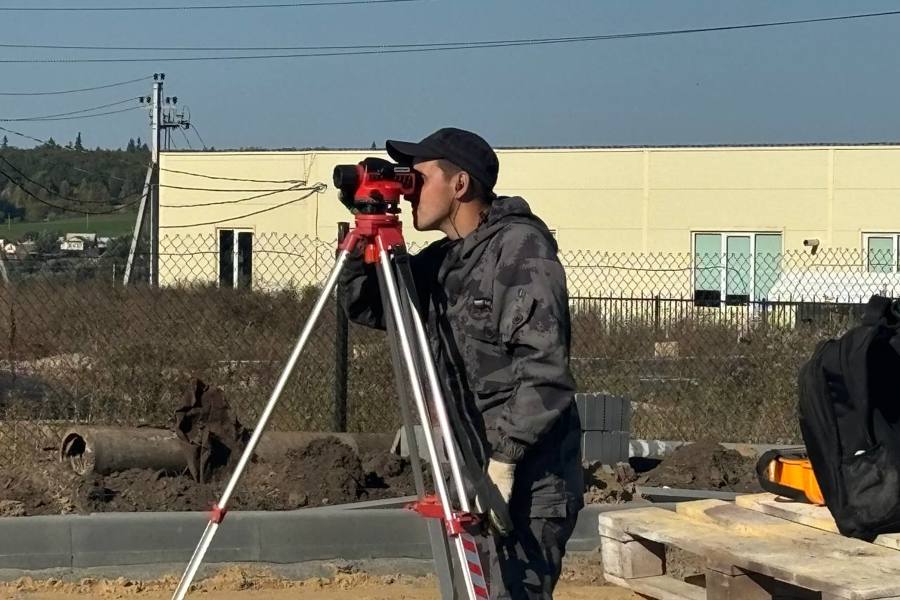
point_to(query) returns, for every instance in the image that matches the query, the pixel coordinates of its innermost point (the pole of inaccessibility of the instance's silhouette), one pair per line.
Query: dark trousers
(527, 564)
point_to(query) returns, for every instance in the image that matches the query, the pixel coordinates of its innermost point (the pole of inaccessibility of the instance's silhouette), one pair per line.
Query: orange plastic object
(796, 473)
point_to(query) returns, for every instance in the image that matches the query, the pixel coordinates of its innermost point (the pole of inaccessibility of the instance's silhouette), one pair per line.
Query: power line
(448, 46)
(100, 114)
(55, 192)
(199, 189)
(40, 141)
(316, 188)
(198, 7)
(205, 176)
(186, 138)
(271, 208)
(23, 135)
(199, 137)
(19, 185)
(269, 192)
(65, 114)
(77, 90)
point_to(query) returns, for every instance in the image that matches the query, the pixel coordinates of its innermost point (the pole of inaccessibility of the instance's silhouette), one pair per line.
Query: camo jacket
(496, 308)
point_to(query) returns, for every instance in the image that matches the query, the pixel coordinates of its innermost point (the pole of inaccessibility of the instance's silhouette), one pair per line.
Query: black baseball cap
(465, 149)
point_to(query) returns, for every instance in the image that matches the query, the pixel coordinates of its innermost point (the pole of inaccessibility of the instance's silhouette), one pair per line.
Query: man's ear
(462, 185)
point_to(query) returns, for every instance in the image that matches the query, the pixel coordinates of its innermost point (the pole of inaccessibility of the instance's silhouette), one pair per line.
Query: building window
(736, 268)
(881, 252)
(235, 258)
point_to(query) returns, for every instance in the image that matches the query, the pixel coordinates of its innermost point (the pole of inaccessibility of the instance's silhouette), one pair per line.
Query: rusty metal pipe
(104, 450)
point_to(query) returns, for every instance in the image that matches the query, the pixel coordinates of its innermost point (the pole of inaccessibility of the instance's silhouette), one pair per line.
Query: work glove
(501, 476)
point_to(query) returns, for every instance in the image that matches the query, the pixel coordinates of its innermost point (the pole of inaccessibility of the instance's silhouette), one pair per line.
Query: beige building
(734, 219)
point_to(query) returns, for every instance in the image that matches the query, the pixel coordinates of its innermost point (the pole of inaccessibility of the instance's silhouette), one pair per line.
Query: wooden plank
(798, 512)
(722, 586)
(805, 514)
(803, 556)
(638, 558)
(661, 587)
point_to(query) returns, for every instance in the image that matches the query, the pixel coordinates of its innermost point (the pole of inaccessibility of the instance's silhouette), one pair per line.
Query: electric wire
(217, 177)
(77, 90)
(63, 208)
(56, 192)
(71, 112)
(196, 7)
(316, 188)
(448, 46)
(252, 214)
(201, 189)
(40, 141)
(184, 135)
(76, 117)
(199, 137)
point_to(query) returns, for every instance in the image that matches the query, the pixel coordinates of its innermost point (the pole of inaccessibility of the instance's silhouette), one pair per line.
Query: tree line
(70, 177)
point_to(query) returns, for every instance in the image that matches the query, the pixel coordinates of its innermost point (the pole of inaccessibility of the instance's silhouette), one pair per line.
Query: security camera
(811, 242)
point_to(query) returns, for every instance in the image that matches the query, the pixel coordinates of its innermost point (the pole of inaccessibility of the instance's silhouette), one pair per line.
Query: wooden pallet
(757, 548)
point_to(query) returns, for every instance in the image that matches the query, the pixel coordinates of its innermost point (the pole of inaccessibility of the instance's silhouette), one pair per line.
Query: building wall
(610, 200)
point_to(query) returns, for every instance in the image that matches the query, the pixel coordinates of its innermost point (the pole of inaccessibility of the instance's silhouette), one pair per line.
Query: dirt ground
(325, 472)
(704, 465)
(579, 581)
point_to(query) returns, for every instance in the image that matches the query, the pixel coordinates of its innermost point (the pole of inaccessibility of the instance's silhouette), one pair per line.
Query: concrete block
(400, 446)
(42, 542)
(608, 447)
(603, 412)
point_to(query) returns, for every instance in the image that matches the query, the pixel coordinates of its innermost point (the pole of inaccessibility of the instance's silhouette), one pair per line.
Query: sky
(819, 82)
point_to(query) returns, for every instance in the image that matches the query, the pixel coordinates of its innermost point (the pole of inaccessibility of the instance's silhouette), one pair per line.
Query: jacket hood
(505, 210)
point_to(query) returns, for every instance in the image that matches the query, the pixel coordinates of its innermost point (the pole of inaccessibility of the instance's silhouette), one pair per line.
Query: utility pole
(151, 187)
(155, 122)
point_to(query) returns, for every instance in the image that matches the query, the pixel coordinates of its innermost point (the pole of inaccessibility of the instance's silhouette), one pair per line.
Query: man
(493, 295)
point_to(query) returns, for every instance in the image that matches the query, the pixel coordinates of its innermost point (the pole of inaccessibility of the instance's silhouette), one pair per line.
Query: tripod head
(372, 191)
(374, 186)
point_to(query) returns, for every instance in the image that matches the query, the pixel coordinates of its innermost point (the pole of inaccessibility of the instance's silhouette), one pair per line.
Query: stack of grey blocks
(606, 426)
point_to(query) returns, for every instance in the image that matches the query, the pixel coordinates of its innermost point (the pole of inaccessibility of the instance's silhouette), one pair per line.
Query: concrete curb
(282, 537)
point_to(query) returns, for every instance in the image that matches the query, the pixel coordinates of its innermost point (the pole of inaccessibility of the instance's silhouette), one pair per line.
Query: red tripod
(380, 234)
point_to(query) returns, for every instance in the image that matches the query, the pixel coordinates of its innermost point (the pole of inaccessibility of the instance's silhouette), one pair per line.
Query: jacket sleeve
(359, 292)
(534, 326)
(361, 296)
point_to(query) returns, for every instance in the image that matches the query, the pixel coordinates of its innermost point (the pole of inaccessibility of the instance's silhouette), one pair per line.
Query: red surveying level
(372, 190)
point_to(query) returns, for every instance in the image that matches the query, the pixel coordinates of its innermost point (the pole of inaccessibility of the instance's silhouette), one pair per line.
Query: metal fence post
(341, 335)
(657, 308)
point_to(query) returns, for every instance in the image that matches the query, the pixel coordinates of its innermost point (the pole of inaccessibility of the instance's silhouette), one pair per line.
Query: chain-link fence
(699, 355)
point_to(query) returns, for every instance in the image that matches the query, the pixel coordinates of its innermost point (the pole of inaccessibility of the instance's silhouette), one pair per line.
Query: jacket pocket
(516, 314)
(480, 318)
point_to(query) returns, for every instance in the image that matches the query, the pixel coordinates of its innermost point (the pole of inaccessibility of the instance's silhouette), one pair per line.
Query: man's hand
(502, 476)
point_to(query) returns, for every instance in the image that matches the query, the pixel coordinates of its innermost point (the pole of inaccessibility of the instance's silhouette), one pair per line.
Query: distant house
(73, 245)
(80, 242)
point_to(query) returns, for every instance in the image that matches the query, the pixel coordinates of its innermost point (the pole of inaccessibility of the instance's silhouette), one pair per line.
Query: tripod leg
(220, 508)
(462, 542)
(434, 389)
(404, 393)
(472, 567)
(440, 550)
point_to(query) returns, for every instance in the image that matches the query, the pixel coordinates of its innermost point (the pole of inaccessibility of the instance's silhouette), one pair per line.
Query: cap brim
(406, 152)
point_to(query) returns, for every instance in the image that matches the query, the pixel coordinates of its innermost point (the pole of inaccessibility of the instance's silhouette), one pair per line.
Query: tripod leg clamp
(430, 508)
(217, 515)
